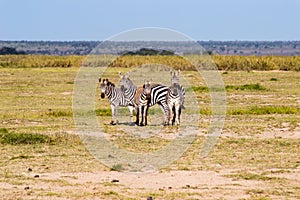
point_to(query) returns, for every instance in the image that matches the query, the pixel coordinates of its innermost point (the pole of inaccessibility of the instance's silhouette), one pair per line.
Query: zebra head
(175, 77)
(174, 89)
(103, 86)
(125, 82)
(147, 89)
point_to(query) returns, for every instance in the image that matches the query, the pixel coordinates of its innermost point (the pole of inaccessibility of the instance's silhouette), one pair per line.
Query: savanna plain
(257, 155)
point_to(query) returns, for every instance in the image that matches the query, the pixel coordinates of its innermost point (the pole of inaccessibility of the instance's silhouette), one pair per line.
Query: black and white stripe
(158, 94)
(142, 98)
(175, 99)
(116, 99)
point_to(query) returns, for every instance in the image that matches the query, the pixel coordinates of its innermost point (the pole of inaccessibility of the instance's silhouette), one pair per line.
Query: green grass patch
(265, 110)
(273, 79)
(205, 111)
(103, 112)
(117, 167)
(60, 113)
(3, 130)
(23, 138)
(250, 87)
(14, 138)
(197, 89)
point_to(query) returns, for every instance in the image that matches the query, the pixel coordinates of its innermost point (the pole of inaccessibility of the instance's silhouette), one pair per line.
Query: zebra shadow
(121, 123)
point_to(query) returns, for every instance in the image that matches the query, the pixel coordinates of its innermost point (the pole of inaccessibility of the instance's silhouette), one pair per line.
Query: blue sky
(199, 19)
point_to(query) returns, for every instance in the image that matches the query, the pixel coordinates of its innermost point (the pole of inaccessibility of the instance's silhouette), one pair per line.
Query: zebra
(175, 99)
(158, 94)
(116, 98)
(142, 98)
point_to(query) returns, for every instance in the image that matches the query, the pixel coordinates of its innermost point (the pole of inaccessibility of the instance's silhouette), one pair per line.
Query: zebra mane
(110, 84)
(130, 81)
(107, 82)
(132, 86)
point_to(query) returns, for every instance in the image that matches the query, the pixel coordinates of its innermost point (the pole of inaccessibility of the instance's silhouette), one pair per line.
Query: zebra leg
(169, 120)
(177, 112)
(112, 114)
(131, 114)
(143, 115)
(137, 121)
(165, 112)
(117, 114)
(146, 114)
(174, 115)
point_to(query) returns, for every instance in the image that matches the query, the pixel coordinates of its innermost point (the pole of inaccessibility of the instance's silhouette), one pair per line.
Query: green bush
(256, 86)
(23, 138)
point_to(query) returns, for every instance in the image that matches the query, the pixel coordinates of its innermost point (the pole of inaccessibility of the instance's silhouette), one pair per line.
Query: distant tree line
(149, 52)
(10, 51)
(291, 48)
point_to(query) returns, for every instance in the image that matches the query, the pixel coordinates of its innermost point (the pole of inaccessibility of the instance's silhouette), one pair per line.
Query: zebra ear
(120, 74)
(127, 75)
(178, 72)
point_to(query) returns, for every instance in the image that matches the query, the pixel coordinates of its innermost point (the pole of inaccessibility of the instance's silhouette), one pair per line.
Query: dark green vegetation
(16, 138)
(149, 52)
(10, 51)
(256, 86)
(23, 138)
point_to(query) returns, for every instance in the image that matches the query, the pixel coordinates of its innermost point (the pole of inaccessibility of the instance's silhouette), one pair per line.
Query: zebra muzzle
(122, 88)
(102, 95)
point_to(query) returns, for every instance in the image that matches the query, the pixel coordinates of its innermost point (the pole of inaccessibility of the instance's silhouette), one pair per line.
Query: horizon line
(149, 40)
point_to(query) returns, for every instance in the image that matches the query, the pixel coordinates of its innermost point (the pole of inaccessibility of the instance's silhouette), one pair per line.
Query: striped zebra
(116, 99)
(158, 94)
(175, 99)
(141, 99)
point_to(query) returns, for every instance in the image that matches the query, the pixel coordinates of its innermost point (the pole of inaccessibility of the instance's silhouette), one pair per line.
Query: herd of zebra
(170, 99)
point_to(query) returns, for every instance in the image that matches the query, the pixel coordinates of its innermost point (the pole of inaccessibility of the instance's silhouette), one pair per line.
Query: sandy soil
(217, 184)
(201, 184)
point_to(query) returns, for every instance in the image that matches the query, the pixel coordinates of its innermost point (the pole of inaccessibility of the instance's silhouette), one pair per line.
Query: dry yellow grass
(256, 158)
